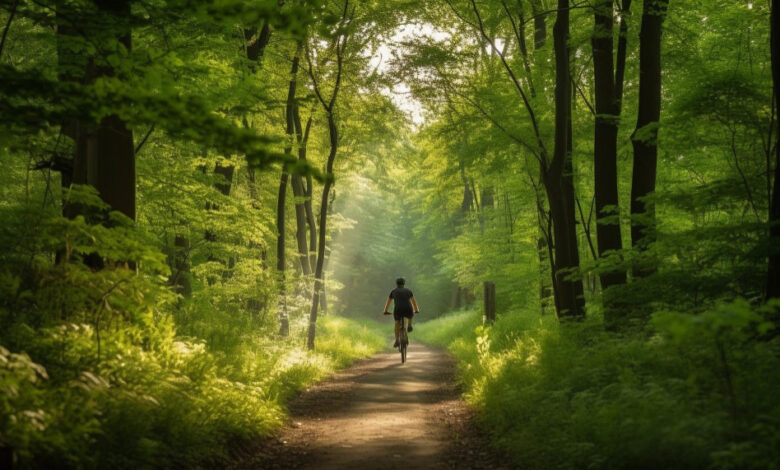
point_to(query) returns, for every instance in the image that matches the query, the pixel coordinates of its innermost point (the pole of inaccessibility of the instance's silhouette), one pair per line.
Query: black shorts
(398, 316)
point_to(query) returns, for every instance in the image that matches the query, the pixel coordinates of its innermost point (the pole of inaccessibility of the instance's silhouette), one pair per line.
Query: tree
(645, 137)
(608, 87)
(773, 274)
(339, 46)
(559, 180)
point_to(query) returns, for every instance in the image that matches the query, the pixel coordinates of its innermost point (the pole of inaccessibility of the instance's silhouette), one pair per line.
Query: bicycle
(403, 340)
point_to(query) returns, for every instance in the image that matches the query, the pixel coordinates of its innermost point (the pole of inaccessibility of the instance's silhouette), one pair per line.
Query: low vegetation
(690, 392)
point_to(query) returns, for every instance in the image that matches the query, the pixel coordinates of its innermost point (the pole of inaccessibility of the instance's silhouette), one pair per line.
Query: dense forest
(204, 203)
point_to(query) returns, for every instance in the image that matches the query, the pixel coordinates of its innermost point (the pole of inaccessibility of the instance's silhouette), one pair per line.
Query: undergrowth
(176, 404)
(106, 368)
(695, 391)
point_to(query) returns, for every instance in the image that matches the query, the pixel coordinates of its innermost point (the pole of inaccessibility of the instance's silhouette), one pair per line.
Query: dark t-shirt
(402, 300)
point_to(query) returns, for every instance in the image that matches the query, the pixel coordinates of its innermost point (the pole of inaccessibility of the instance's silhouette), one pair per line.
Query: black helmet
(400, 281)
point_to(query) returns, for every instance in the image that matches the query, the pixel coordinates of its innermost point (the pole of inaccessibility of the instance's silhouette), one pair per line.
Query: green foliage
(695, 392)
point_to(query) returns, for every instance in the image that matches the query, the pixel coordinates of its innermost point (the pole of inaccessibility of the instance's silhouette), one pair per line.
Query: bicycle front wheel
(403, 353)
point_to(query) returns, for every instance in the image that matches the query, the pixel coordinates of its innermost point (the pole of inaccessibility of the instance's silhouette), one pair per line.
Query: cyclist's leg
(397, 328)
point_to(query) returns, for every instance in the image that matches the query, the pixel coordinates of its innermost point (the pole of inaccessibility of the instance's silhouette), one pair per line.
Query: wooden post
(489, 302)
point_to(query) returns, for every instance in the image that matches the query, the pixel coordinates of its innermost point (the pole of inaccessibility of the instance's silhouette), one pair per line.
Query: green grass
(177, 403)
(573, 396)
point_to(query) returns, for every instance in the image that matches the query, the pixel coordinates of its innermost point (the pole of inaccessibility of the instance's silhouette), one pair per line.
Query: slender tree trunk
(620, 71)
(310, 221)
(308, 226)
(280, 241)
(605, 141)
(329, 106)
(559, 181)
(293, 127)
(773, 274)
(318, 273)
(181, 279)
(645, 137)
(540, 24)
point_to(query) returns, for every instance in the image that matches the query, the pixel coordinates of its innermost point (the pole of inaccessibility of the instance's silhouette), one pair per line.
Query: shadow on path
(379, 414)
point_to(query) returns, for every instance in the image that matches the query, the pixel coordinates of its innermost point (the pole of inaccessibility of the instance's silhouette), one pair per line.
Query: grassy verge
(692, 392)
(166, 402)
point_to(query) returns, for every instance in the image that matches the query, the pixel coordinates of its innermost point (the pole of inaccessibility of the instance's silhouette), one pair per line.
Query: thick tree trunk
(105, 155)
(773, 274)
(559, 181)
(645, 137)
(256, 43)
(605, 141)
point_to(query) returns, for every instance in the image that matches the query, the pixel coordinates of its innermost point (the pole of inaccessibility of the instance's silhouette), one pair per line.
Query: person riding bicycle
(405, 307)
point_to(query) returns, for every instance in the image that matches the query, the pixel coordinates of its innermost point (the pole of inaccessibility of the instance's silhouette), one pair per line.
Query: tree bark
(318, 273)
(293, 127)
(105, 155)
(309, 226)
(773, 274)
(645, 137)
(280, 240)
(256, 43)
(540, 24)
(605, 141)
(559, 181)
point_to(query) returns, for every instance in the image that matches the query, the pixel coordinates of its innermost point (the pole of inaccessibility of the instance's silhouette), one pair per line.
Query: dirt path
(379, 415)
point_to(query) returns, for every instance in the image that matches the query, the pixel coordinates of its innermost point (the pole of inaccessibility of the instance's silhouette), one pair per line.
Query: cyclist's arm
(414, 304)
(387, 305)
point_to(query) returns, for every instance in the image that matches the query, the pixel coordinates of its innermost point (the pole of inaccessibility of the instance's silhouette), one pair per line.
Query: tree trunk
(620, 71)
(559, 181)
(605, 141)
(329, 106)
(280, 246)
(540, 24)
(255, 43)
(180, 278)
(310, 221)
(293, 127)
(645, 137)
(105, 155)
(773, 274)
(318, 273)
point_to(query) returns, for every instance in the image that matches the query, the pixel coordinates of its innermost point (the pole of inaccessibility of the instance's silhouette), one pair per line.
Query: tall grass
(693, 392)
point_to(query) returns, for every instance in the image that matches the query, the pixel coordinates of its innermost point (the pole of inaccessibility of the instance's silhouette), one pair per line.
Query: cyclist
(405, 307)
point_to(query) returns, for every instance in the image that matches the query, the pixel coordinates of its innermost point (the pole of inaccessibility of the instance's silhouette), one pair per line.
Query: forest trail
(379, 415)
